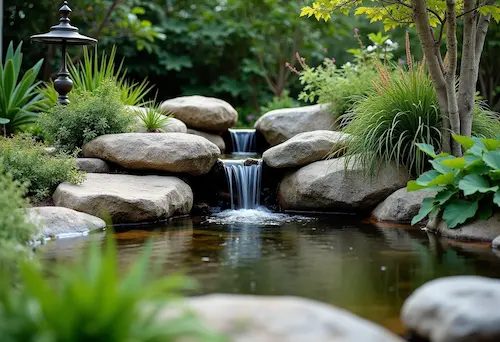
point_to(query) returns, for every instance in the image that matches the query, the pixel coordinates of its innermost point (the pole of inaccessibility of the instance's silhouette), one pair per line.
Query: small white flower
(371, 48)
(388, 42)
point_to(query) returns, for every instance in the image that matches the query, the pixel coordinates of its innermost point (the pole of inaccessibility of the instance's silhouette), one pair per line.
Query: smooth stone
(202, 113)
(92, 165)
(172, 125)
(280, 125)
(60, 222)
(401, 206)
(476, 230)
(174, 152)
(329, 185)
(305, 148)
(127, 198)
(496, 242)
(214, 138)
(455, 309)
(279, 319)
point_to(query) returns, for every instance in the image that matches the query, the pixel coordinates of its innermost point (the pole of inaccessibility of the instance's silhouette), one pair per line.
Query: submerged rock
(59, 221)
(328, 185)
(174, 152)
(214, 138)
(92, 165)
(476, 230)
(305, 148)
(455, 309)
(127, 198)
(401, 206)
(280, 125)
(203, 113)
(280, 319)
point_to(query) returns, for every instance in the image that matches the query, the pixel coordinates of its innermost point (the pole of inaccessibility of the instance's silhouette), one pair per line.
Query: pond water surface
(360, 266)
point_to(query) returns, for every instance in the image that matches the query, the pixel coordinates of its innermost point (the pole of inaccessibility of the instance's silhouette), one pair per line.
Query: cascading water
(244, 183)
(243, 140)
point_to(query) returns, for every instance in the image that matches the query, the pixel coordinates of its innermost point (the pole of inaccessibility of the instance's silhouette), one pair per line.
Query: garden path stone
(281, 319)
(202, 113)
(127, 198)
(329, 186)
(280, 125)
(214, 138)
(455, 309)
(476, 230)
(60, 222)
(174, 152)
(92, 165)
(401, 206)
(305, 148)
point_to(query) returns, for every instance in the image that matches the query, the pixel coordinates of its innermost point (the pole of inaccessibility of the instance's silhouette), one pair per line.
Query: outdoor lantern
(63, 34)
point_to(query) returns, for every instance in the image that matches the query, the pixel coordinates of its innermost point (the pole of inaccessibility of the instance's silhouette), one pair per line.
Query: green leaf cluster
(467, 187)
(89, 115)
(29, 163)
(152, 118)
(89, 299)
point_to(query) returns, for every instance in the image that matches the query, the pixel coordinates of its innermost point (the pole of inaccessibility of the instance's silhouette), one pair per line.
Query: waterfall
(243, 140)
(244, 183)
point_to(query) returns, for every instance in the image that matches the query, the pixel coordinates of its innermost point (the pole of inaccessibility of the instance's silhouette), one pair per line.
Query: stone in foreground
(329, 186)
(214, 138)
(126, 198)
(401, 206)
(476, 230)
(59, 221)
(174, 152)
(202, 113)
(92, 165)
(281, 319)
(455, 309)
(280, 125)
(305, 148)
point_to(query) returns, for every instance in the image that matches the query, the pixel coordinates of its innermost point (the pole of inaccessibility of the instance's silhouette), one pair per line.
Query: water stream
(244, 181)
(244, 140)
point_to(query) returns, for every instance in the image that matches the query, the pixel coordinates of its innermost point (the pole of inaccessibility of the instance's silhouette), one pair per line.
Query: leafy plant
(89, 115)
(19, 100)
(28, 162)
(467, 187)
(152, 118)
(285, 101)
(88, 300)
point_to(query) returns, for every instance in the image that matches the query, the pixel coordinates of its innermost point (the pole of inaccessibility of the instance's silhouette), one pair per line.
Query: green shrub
(88, 300)
(28, 162)
(285, 101)
(19, 100)
(89, 115)
(467, 187)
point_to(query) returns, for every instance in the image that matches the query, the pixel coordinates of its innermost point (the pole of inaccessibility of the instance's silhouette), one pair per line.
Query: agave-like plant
(19, 99)
(153, 119)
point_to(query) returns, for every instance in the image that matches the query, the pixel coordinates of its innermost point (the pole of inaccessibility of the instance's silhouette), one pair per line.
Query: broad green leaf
(492, 159)
(438, 166)
(444, 196)
(496, 198)
(458, 211)
(471, 184)
(413, 186)
(455, 163)
(491, 144)
(478, 148)
(466, 142)
(447, 178)
(427, 149)
(426, 207)
(494, 175)
(427, 177)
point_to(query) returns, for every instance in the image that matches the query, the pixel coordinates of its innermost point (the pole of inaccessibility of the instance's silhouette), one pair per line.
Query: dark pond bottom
(365, 268)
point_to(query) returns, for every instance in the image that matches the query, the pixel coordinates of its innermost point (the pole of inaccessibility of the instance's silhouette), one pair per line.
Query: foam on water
(260, 216)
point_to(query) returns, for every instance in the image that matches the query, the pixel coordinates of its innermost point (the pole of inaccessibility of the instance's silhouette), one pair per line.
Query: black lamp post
(63, 34)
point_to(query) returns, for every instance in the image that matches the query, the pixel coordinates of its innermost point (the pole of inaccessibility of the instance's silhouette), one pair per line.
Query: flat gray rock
(476, 230)
(401, 206)
(127, 198)
(455, 309)
(92, 165)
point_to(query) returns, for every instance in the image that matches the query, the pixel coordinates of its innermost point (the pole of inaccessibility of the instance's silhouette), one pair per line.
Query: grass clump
(28, 162)
(89, 115)
(152, 118)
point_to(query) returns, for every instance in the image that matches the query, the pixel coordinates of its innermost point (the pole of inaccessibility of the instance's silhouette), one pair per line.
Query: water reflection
(367, 269)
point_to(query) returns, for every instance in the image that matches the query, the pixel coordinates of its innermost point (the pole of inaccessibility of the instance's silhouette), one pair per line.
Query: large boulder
(476, 230)
(332, 185)
(305, 148)
(455, 309)
(61, 222)
(401, 206)
(280, 125)
(92, 165)
(172, 125)
(202, 113)
(214, 138)
(127, 198)
(174, 152)
(279, 319)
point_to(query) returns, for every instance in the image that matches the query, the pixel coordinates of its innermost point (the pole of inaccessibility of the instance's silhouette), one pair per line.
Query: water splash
(258, 217)
(244, 183)
(244, 140)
